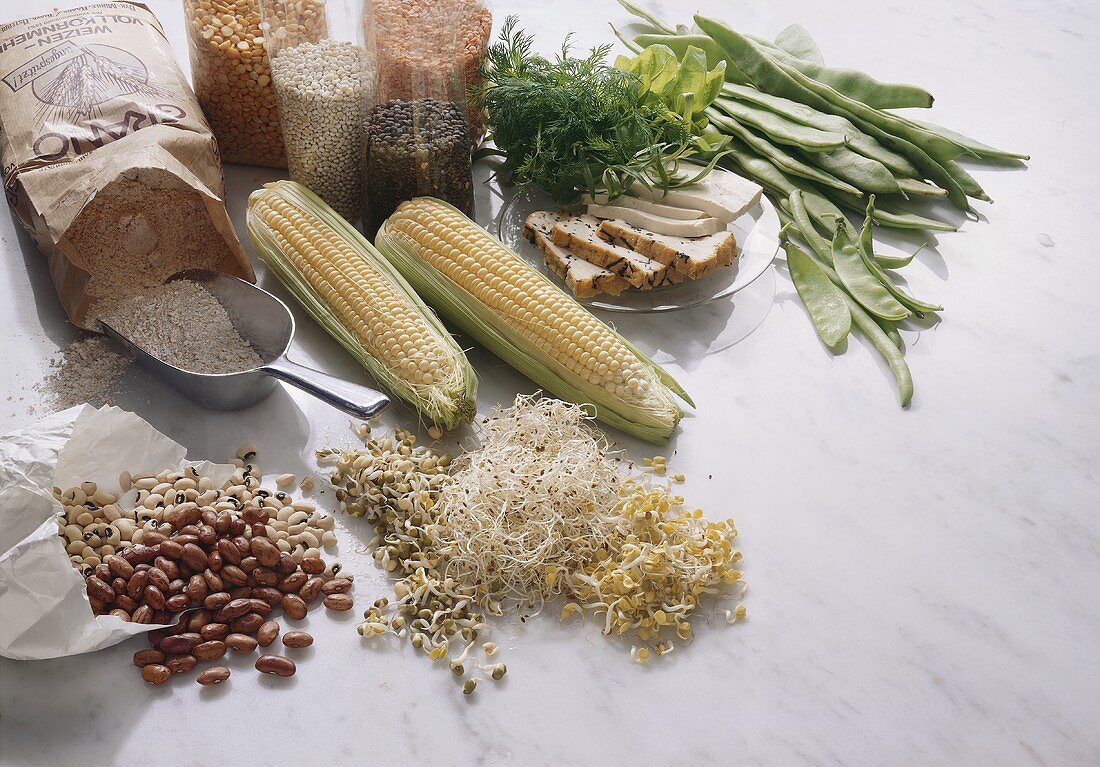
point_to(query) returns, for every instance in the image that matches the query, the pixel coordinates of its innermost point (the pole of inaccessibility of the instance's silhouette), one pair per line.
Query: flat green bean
(887, 348)
(770, 76)
(647, 17)
(888, 215)
(866, 248)
(859, 141)
(782, 159)
(851, 82)
(823, 300)
(861, 284)
(796, 206)
(780, 128)
(862, 172)
(968, 183)
(911, 186)
(977, 148)
(891, 331)
(798, 42)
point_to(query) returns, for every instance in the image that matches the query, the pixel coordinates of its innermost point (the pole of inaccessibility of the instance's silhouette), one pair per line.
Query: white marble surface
(924, 584)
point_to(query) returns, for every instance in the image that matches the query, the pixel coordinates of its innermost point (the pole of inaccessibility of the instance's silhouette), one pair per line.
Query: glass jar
(322, 79)
(418, 131)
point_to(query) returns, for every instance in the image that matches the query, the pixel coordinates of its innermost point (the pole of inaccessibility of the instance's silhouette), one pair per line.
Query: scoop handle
(354, 399)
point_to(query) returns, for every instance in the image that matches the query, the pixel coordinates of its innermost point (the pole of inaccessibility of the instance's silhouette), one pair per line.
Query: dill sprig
(577, 125)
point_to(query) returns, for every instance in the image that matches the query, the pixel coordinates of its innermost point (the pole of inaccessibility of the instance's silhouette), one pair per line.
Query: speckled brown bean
(313, 565)
(270, 595)
(259, 606)
(338, 602)
(241, 592)
(154, 538)
(265, 576)
(267, 633)
(237, 526)
(217, 601)
(209, 517)
(214, 560)
(207, 535)
(181, 644)
(198, 619)
(137, 584)
(229, 552)
(148, 655)
(177, 603)
(167, 566)
(170, 549)
(196, 589)
(213, 675)
(120, 567)
(249, 563)
(155, 673)
(247, 624)
(97, 589)
(153, 597)
(234, 575)
(241, 643)
(265, 551)
(211, 650)
(297, 639)
(276, 665)
(293, 582)
(221, 524)
(214, 631)
(176, 586)
(118, 585)
(121, 614)
(255, 515)
(234, 609)
(194, 557)
(294, 607)
(243, 546)
(311, 589)
(186, 538)
(181, 664)
(336, 586)
(286, 565)
(159, 579)
(125, 602)
(213, 581)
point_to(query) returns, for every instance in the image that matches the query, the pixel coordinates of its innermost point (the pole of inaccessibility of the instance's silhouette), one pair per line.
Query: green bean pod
(866, 248)
(778, 156)
(796, 204)
(886, 347)
(853, 83)
(797, 41)
(975, 147)
(863, 286)
(889, 216)
(862, 172)
(911, 186)
(780, 128)
(829, 313)
(859, 141)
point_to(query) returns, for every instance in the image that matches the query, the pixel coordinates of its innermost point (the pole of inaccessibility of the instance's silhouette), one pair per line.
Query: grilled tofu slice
(583, 278)
(690, 256)
(579, 235)
(699, 227)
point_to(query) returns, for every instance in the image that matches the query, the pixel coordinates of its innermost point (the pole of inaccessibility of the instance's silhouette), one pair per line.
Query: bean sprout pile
(543, 509)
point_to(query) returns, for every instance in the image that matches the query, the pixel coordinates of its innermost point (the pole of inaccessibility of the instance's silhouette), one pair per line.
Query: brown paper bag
(107, 159)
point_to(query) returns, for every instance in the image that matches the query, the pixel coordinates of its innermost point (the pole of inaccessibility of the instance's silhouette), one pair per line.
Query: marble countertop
(924, 585)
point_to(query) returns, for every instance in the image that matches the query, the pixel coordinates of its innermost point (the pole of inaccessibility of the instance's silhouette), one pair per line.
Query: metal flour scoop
(266, 323)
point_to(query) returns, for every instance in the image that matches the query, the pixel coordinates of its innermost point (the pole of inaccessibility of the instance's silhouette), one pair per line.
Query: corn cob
(488, 291)
(358, 297)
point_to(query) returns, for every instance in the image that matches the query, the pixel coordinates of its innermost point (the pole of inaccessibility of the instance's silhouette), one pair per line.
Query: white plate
(757, 233)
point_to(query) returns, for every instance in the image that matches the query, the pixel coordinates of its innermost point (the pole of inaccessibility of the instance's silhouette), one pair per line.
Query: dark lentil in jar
(416, 148)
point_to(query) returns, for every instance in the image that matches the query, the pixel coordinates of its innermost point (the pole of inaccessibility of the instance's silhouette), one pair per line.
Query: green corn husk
(653, 419)
(447, 402)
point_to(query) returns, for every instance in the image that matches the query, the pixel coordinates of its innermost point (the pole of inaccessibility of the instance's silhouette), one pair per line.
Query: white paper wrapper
(44, 609)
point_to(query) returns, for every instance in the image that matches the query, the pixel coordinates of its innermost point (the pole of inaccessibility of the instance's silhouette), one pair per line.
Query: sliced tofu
(583, 278)
(721, 194)
(579, 235)
(691, 256)
(700, 227)
(656, 208)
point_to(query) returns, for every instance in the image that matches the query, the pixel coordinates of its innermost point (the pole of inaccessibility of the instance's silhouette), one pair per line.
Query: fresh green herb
(578, 125)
